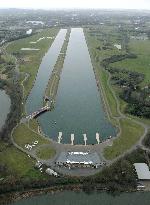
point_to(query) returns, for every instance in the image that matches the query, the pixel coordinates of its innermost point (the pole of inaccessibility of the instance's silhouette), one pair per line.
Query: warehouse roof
(79, 158)
(142, 171)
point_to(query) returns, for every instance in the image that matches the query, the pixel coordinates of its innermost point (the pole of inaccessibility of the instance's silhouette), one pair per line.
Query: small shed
(142, 171)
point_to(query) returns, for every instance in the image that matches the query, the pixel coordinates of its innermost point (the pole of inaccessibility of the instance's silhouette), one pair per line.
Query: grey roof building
(142, 171)
(85, 159)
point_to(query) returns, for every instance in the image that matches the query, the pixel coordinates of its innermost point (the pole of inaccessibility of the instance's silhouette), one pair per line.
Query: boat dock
(97, 138)
(59, 137)
(85, 139)
(72, 139)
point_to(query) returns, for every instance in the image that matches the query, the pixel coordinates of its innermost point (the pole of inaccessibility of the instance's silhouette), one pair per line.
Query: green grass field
(33, 124)
(45, 153)
(103, 75)
(18, 163)
(130, 134)
(23, 135)
(29, 61)
(142, 63)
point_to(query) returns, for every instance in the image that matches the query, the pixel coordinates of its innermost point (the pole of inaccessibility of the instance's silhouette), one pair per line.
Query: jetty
(85, 139)
(59, 137)
(97, 138)
(72, 139)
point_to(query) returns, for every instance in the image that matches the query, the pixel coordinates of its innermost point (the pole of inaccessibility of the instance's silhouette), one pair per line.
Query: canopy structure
(79, 158)
(142, 171)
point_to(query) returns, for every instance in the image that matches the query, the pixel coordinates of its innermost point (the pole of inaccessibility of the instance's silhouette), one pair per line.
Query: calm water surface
(79, 108)
(4, 107)
(35, 99)
(72, 198)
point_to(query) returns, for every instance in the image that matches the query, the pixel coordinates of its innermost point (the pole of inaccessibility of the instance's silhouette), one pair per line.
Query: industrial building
(79, 159)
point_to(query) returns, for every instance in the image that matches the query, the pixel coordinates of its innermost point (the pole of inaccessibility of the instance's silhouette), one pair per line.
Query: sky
(60, 4)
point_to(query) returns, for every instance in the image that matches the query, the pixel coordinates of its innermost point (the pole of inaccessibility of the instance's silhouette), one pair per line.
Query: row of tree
(125, 78)
(115, 58)
(137, 98)
(15, 93)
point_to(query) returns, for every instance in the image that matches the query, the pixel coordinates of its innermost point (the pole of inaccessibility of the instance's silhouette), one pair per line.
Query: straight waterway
(79, 107)
(35, 99)
(4, 107)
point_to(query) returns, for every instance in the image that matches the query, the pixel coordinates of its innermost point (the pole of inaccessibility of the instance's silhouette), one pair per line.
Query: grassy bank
(104, 77)
(102, 47)
(130, 134)
(29, 61)
(24, 135)
(17, 164)
(52, 86)
(45, 153)
(33, 124)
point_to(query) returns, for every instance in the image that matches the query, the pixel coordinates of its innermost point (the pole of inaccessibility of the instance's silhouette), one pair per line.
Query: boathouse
(79, 159)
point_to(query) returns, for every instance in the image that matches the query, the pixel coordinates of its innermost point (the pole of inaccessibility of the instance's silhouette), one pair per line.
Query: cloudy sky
(50, 4)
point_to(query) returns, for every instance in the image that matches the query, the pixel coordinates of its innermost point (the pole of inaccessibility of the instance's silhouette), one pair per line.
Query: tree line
(137, 98)
(15, 92)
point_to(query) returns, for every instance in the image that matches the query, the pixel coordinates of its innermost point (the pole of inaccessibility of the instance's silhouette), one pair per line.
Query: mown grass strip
(33, 124)
(130, 134)
(46, 153)
(23, 135)
(18, 163)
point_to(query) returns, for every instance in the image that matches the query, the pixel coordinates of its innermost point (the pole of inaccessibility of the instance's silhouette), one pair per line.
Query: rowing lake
(79, 108)
(4, 107)
(73, 198)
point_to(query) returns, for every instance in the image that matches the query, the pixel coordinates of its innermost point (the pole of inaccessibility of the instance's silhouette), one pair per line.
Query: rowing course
(79, 107)
(35, 98)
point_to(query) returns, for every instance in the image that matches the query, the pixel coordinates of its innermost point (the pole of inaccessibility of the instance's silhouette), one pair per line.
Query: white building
(79, 159)
(142, 171)
(29, 32)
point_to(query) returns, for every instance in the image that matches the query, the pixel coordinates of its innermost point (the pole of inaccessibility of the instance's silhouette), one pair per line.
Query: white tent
(142, 171)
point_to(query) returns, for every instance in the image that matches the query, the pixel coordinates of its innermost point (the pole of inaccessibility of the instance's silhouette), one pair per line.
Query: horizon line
(75, 8)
